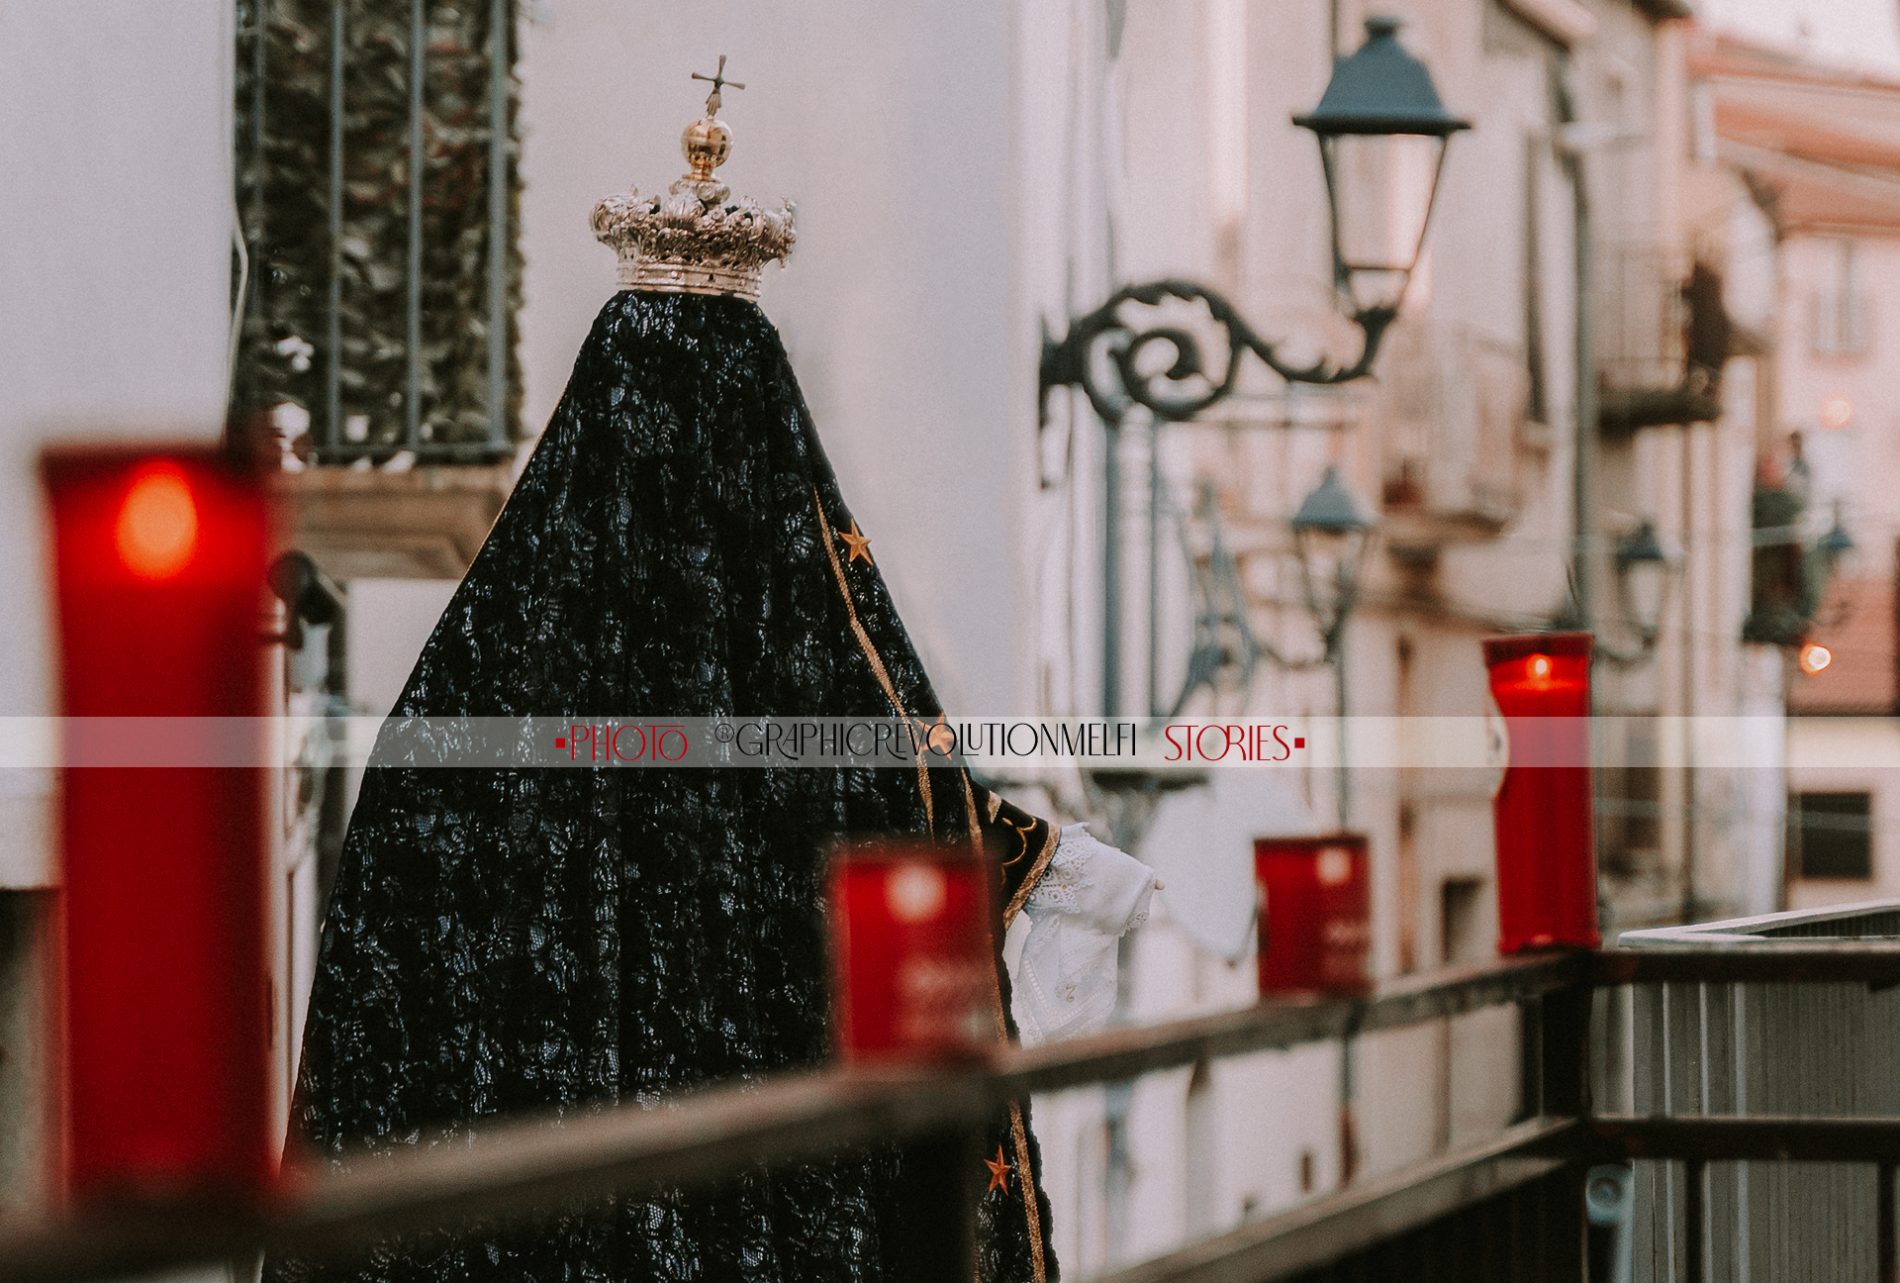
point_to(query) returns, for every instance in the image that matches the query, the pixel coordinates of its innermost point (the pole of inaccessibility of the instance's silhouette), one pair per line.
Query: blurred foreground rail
(1511, 1206)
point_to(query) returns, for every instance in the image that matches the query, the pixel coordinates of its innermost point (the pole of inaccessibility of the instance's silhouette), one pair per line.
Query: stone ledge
(424, 523)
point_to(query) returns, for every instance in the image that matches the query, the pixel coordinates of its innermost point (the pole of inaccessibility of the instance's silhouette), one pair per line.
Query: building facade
(1593, 341)
(1804, 140)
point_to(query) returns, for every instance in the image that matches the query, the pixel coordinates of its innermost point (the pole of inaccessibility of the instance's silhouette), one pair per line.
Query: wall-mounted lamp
(1331, 533)
(1645, 569)
(1382, 132)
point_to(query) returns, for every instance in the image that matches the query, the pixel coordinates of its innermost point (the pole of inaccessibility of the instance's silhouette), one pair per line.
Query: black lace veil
(516, 941)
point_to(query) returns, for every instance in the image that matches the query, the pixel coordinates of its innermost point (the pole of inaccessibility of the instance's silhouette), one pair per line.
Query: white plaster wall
(891, 126)
(1853, 464)
(389, 621)
(114, 289)
(115, 256)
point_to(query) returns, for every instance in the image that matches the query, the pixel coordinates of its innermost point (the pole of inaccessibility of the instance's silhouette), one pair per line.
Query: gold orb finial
(696, 237)
(707, 141)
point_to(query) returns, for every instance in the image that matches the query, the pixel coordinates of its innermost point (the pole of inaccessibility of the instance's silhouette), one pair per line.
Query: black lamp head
(1331, 509)
(1381, 89)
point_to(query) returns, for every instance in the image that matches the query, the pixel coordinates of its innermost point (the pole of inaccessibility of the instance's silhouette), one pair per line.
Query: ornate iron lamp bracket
(1070, 361)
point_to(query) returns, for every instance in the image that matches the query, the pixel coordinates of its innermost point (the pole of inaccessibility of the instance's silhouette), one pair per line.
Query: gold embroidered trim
(1022, 832)
(1032, 1213)
(969, 812)
(1032, 877)
(871, 656)
(1019, 1137)
(1019, 1133)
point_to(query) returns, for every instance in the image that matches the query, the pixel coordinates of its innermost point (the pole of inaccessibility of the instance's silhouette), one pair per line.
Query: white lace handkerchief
(1088, 898)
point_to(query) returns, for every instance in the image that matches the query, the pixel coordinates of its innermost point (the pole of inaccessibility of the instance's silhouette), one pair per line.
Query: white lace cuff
(1088, 898)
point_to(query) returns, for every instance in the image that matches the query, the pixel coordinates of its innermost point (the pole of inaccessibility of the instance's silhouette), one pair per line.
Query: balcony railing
(1747, 1046)
(1457, 445)
(1510, 1207)
(1662, 337)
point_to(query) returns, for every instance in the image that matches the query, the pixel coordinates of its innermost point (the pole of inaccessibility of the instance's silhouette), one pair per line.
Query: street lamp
(1643, 570)
(1331, 533)
(1829, 604)
(1837, 548)
(1382, 132)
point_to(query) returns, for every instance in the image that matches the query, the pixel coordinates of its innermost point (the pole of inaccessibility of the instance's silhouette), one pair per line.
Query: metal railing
(1748, 1046)
(1509, 1207)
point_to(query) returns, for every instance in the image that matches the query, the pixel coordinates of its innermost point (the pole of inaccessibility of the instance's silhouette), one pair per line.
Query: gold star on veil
(999, 1172)
(860, 545)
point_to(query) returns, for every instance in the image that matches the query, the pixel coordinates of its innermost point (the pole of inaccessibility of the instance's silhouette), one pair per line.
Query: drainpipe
(1686, 588)
(1583, 495)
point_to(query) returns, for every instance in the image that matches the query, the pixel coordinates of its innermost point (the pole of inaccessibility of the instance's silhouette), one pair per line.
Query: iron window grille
(377, 185)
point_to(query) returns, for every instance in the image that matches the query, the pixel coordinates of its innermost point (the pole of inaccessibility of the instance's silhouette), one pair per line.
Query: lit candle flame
(158, 524)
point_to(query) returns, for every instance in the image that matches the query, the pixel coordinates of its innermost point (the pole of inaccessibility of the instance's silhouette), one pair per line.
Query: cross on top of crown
(719, 82)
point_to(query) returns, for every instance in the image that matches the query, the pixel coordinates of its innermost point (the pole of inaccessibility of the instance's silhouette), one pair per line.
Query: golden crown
(696, 239)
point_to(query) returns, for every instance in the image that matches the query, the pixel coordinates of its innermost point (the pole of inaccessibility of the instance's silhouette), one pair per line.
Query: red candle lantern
(913, 932)
(158, 573)
(1315, 914)
(1546, 844)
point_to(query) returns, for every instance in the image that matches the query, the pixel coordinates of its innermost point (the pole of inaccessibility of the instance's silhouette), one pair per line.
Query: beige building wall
(1850, 754)
(1840, 348)
(1821, 293)
(966, 175)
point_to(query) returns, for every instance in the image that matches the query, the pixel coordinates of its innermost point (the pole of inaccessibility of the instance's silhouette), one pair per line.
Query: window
(1842, 313)
(1830, 835)
(377, 189)
(1466, 929)
(1629, 805)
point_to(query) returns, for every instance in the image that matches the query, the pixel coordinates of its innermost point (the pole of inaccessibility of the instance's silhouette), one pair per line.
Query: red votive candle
(158, 577)
(1315, 914)
(1546, 841)
(913, 931)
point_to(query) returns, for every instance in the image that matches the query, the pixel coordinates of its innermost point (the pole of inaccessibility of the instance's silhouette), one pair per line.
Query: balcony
(377, 183)
(1763, 1080)
(426, 522)
(1662, 337)
(1456, 439)
(1784, 577)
